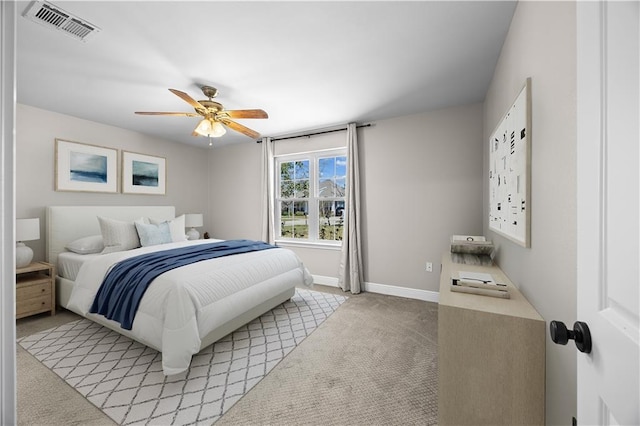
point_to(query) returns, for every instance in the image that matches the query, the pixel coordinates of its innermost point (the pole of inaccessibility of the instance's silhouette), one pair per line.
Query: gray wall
(421, 182)
(36, 131)
(235, 192)
(541, 44)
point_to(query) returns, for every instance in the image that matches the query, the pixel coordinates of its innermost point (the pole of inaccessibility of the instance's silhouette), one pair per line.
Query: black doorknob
(580, 334)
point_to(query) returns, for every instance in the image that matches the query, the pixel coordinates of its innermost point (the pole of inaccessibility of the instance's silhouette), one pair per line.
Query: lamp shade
(208, 127)
(193, 220)
(27, 229)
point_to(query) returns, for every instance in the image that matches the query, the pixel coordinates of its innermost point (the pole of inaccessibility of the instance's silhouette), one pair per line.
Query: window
(310, 197)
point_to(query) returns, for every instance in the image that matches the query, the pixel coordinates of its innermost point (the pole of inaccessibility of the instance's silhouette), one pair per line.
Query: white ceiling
(308, 64)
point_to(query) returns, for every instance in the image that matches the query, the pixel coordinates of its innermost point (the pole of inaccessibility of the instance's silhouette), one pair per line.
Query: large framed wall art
(510, 171)
(143, 174)
(85, 168)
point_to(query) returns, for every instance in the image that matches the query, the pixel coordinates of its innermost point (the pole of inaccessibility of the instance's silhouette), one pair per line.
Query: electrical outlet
(429, 267)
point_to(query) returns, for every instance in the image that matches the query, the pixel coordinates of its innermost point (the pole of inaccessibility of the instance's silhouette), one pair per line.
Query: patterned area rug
(124, 378)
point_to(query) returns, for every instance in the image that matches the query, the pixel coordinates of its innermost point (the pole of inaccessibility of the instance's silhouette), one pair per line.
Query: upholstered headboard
(68, 223)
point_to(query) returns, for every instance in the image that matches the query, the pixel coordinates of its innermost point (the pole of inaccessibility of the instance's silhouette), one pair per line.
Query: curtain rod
(306, 135)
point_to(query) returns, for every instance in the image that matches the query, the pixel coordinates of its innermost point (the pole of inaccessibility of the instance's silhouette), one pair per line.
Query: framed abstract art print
(510, 171)
(85, 168)
(143, 174)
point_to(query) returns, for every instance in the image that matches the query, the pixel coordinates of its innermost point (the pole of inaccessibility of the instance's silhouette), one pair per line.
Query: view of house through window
(311, 196)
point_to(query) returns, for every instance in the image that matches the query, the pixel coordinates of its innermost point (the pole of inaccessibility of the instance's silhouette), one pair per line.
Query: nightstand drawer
(36, 289)
(33, 305)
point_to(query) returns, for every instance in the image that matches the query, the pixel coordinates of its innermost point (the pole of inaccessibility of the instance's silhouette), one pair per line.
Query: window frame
(313, 200)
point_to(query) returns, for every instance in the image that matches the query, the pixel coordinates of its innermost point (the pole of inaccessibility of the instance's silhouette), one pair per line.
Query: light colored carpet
(372, 362)
(124, 378)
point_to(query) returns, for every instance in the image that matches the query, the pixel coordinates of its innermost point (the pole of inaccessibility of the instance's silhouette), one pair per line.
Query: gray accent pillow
(118, 235)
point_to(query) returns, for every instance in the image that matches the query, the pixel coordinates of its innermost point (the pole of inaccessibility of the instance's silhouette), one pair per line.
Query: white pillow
(86, 245)
(152, 235)
(176, 226)
(118, 235)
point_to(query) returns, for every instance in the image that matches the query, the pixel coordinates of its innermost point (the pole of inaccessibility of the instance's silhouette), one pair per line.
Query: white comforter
(183, 305)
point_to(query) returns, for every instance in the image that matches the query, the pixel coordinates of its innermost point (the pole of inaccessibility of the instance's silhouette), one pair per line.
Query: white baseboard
(391, 290)
(322, 280)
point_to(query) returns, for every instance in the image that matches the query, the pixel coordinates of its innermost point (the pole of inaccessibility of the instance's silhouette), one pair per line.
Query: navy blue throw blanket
(122, 289)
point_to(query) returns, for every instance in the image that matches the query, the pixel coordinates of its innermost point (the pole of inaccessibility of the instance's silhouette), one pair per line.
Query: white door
(608, 99)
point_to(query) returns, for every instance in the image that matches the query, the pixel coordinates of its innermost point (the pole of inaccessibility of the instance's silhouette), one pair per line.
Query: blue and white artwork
(144, 173)
(84, 167)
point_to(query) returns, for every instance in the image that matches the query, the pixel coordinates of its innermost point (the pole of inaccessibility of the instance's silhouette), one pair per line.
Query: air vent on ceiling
(52, 16)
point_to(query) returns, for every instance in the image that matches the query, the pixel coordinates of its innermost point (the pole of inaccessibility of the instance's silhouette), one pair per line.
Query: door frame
(7, 212)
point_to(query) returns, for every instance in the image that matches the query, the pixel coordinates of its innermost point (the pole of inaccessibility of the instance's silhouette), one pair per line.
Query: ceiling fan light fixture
(208, 127)
(217, 129)
(215, 119)
(203, 128)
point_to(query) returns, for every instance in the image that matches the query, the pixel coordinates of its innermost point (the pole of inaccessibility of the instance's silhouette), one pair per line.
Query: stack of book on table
(478, 283)
(471, 250)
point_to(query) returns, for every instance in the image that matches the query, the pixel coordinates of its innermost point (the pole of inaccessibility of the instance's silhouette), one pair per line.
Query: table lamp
(193, 221)
(26, 230)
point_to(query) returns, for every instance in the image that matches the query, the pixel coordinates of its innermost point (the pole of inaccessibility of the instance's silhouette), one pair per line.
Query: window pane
(294, 179)
(286, 189)
(341, 166)
(301, 169)
(327, 168)
(331, 220)
(286, 171)
(286, 219)
(327, 188)
(294, 219)
(331, 177)
(301, 208)
(341, 185)
(300, 219)
(302, 188)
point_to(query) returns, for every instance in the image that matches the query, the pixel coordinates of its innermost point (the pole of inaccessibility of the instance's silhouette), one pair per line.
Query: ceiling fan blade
(246, 113)
(188, 99)
(240, 128)
(175, 114)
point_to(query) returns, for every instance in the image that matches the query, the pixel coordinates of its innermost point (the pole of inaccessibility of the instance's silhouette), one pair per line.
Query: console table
(491, 355)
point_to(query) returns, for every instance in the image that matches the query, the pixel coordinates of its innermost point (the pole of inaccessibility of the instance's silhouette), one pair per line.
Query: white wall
(36, 130)
(541, 44)
(421, 182)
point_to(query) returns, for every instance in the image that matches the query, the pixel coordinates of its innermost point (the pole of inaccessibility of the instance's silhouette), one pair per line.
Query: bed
(183, 310)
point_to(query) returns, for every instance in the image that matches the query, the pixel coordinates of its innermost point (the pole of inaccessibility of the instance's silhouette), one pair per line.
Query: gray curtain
(350, 273)
(268, 188)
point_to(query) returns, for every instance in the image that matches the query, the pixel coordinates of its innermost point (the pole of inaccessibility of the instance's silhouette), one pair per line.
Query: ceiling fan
(214, 115)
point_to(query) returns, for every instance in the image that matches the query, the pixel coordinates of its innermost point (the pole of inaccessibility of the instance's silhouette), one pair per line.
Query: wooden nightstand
(35, 289)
